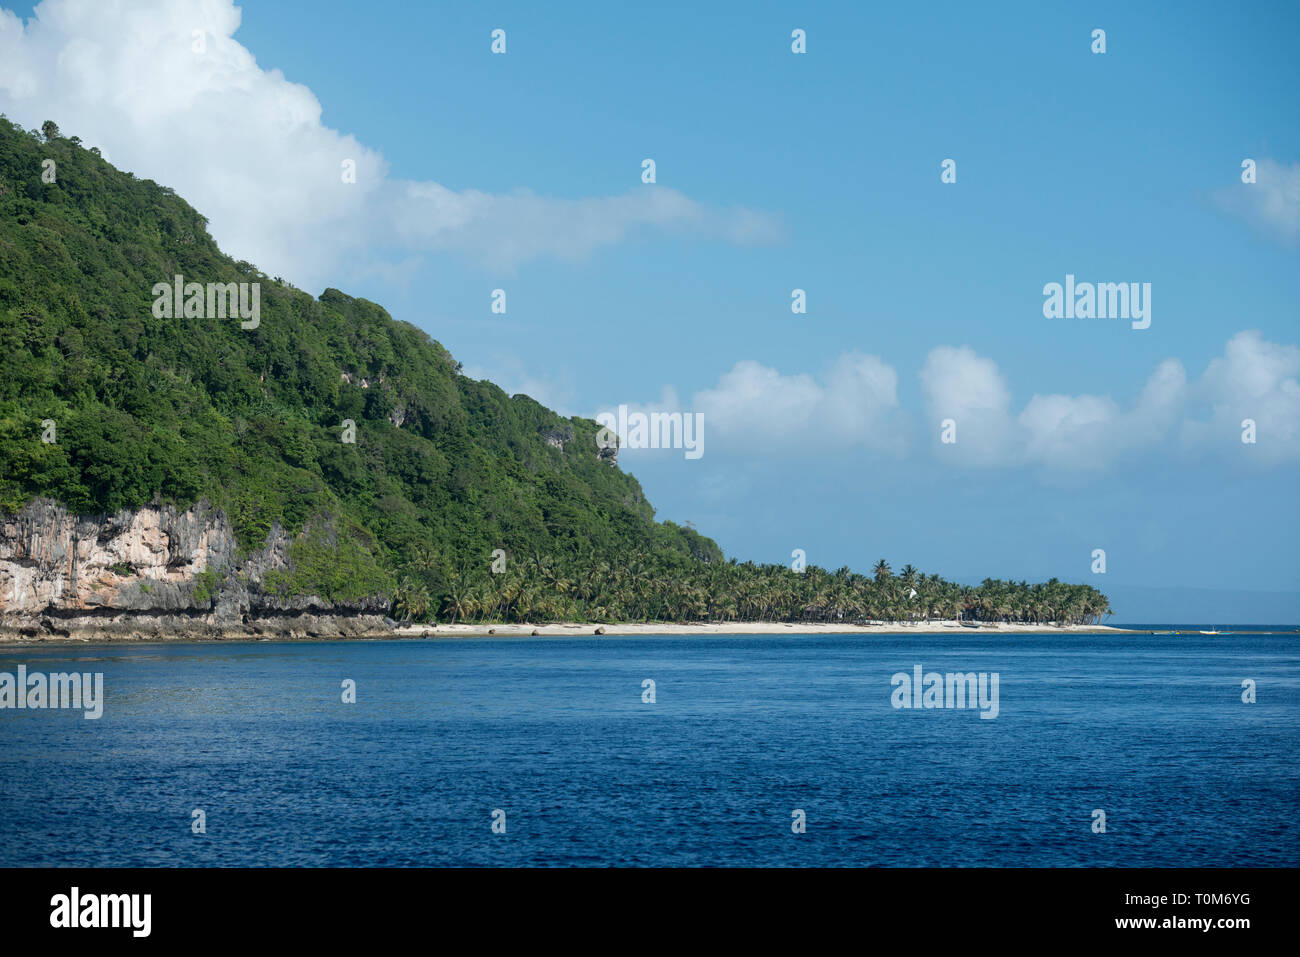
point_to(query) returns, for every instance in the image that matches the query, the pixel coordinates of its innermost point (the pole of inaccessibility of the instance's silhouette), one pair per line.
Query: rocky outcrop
(557, 436)
(155, 573)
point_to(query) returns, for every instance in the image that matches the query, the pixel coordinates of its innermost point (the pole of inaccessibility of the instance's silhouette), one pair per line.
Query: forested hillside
(443, 470)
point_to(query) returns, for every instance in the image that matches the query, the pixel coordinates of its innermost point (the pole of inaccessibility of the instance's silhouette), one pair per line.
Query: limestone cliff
(155, 573)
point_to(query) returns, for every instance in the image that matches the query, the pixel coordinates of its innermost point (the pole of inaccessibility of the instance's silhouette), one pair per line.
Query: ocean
(779, 750)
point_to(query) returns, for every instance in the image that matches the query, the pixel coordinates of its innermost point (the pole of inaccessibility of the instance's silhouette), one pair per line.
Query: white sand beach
(737, 628)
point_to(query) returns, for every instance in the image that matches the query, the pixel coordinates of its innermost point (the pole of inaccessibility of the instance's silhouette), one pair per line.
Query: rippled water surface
(743, 731)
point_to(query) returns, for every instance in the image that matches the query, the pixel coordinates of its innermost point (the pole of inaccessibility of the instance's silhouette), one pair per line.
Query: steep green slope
(443, 470)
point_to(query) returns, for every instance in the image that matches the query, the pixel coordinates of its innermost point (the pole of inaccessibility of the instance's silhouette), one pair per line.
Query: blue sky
(778, 171)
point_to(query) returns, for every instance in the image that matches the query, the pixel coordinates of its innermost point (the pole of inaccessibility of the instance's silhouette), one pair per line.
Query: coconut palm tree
(411, 600)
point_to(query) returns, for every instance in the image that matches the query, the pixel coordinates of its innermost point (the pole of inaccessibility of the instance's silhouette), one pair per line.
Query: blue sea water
(743, 731)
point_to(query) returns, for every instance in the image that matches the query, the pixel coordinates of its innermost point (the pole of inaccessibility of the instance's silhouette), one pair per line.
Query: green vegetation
(649, 589)
(444, 469)
(338, 568)
(206, 583)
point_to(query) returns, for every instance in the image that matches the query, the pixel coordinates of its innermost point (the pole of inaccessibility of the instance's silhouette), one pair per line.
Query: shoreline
(701, 629)
(551, 630)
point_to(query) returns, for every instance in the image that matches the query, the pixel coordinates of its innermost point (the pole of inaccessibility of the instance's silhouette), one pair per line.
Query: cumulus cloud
(1069, 431)
(853, 405)
(1253, 379)
(1091, 432)
(164, 90)
(756, 409)
(1271, 203)
(1055, 431)
(969, 390)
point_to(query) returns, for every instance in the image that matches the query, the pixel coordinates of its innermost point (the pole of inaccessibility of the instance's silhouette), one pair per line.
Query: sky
(776, 171)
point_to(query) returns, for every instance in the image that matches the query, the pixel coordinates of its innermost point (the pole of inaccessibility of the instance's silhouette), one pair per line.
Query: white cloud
(959, 385)
(1271, 203)
(1092, 432)
(756, 409)
(504, 230)
(1069, 431)
(855, 404)
(757, 402)
(1253, 379)
(247, 148)
(1056, 431)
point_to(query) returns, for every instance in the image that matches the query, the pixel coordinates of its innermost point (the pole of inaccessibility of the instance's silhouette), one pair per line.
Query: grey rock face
(557, 436)
(156, 573)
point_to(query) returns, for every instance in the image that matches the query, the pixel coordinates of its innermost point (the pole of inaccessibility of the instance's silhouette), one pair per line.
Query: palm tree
(412, 599)
(456, 601)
